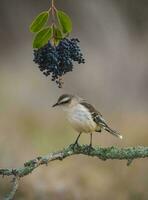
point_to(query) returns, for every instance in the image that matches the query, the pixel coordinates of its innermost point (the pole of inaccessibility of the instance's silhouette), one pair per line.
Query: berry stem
(53, 10)
(52, 3)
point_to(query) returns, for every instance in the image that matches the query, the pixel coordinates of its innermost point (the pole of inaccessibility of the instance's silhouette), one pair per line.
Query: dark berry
(55, 61)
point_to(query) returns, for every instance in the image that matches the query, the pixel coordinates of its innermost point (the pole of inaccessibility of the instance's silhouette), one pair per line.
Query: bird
(83, 116)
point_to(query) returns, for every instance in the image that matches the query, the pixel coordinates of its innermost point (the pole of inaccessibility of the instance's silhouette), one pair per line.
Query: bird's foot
(89, 148)
(74, 146)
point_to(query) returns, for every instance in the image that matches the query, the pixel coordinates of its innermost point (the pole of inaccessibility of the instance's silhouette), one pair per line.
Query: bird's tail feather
(107, 128)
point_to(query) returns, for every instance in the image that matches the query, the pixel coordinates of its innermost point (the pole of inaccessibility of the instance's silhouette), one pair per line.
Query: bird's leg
(89, 148)
(76, 142)
(90, 145)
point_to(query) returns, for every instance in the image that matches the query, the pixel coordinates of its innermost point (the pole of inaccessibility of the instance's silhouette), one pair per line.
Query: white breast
(81, 119)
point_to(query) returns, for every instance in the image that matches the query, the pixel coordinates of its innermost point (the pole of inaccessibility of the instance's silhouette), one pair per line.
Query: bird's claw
(89, 148)
(74, 146)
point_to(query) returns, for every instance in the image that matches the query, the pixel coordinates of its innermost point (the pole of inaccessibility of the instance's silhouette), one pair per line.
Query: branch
(128, 154)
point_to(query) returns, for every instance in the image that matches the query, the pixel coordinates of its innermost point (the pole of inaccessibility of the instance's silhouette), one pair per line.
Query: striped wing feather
(97, 117)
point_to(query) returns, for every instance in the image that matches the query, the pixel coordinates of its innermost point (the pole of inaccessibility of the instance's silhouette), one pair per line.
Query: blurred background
(114, 40)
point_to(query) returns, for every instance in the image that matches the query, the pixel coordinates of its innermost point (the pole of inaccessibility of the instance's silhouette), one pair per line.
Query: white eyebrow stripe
(65, 99)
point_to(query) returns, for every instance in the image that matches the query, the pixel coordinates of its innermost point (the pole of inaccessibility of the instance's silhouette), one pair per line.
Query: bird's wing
(98, 119)
(96, 115)
(102, 124)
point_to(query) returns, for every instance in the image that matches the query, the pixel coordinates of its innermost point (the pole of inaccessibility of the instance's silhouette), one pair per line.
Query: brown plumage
(97, 117)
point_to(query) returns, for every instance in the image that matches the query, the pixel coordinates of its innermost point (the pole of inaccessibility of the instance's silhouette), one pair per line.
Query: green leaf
(64, 21)
(39, 22)
(42, 37)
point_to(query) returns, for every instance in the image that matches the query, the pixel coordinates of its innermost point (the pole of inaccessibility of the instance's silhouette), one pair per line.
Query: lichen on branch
(129, 154)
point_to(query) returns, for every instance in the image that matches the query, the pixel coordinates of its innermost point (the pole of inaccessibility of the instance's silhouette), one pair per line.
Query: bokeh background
(114, 40)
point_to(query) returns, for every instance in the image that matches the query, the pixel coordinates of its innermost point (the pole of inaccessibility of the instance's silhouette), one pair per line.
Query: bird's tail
(107, 128)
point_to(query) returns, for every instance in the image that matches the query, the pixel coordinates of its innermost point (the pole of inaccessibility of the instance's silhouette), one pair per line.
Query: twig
(15, 185)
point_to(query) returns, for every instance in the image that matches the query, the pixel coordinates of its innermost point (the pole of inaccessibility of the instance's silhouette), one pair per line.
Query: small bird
(83, 117)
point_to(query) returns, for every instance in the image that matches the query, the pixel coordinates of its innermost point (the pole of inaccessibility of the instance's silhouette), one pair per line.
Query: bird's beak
(56, 104)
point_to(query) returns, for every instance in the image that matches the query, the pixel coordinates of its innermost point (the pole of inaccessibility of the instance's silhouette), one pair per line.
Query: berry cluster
(58, 60)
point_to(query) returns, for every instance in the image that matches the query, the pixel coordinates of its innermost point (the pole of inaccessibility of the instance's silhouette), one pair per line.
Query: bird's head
(67, 101)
